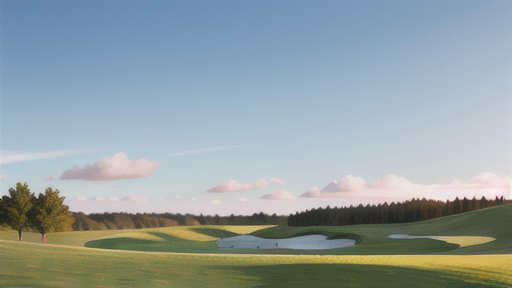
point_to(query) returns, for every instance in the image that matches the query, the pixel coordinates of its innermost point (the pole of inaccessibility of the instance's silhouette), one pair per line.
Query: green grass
(50, 266)
(214, 232)
(73, 265)
(370, 239)
(493, 222)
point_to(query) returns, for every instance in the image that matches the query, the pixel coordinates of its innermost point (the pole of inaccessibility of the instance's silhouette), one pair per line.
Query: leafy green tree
(49, 214)
(16, 207)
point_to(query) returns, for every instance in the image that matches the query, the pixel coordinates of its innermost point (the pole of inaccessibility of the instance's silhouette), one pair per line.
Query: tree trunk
(44, 238)
(19, 235)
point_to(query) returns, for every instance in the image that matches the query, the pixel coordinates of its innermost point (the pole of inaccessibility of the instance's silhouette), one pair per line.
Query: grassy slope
(493, 222)
(32, 265)
(24, 264)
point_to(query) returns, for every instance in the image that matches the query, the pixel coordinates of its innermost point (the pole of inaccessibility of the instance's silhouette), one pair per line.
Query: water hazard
(309, 242)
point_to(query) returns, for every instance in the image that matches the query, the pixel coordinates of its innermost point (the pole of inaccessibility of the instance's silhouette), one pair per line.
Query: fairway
(142, 258)
(26, 264)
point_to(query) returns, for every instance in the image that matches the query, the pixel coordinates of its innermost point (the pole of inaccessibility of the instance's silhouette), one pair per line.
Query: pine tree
(16, 207)
(48, 214)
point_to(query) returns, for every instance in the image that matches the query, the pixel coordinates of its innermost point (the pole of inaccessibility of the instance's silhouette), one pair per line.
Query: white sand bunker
(309, 242)
(462, 241)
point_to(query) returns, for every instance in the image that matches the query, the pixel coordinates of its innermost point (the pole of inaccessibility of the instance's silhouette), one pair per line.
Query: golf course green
(187, 256)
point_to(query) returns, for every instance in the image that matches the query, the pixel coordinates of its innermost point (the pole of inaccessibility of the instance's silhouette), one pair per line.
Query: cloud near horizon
(278, 195)
(347, 183)
(276, 180)
(234, 186)
(108, 169)
(486, 184)
(231, 186)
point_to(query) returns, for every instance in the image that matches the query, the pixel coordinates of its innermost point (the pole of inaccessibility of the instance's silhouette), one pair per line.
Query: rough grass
(35, 265)
(26, 264)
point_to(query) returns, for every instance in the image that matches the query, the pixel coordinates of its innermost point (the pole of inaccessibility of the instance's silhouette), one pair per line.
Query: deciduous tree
(16, 208)
(49, 214)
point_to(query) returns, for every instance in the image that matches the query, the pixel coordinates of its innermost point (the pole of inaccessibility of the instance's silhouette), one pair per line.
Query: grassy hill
(70, 264)
(493, 222)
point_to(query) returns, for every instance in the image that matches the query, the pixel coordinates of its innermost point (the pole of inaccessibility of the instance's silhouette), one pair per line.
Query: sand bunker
(309, 242)
(462, 241)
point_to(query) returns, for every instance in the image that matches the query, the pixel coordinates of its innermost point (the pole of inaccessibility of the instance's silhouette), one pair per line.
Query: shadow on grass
(170, 244)
(119, 243)
(352, 275)
(218, 233)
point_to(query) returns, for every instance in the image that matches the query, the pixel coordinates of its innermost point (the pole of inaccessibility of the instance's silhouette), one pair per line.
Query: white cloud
(12, 157)
(3, 177)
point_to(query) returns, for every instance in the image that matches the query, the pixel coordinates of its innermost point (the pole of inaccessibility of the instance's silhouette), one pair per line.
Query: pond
(309, 242)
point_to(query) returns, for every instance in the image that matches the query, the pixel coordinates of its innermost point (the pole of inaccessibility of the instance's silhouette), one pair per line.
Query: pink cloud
(231, 186)
(80, 198)
(115, 168)
(276, 180)
(105, 199)
(393, 182)
(394, 188)
(347, 183)
(485, 180)
(312, 192)
(234, 186)
(135, 199)
(100, 198)
(49, 178)
(3, 177)
(278, 195)
(261, 183)
(489, 180)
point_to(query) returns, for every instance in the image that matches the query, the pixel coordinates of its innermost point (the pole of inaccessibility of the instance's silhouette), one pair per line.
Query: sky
(221, 107)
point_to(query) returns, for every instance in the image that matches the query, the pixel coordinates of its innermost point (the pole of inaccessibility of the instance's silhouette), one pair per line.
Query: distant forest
(408, 211)
(117, 221)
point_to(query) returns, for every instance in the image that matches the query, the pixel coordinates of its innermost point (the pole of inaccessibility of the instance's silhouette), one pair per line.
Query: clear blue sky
(305, 91)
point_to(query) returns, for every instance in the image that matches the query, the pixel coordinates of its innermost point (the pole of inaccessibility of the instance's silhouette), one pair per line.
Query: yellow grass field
(464, 241)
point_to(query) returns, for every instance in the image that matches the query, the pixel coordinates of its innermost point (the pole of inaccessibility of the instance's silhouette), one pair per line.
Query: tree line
(115, 221)
(400, 212)
(23, 211)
